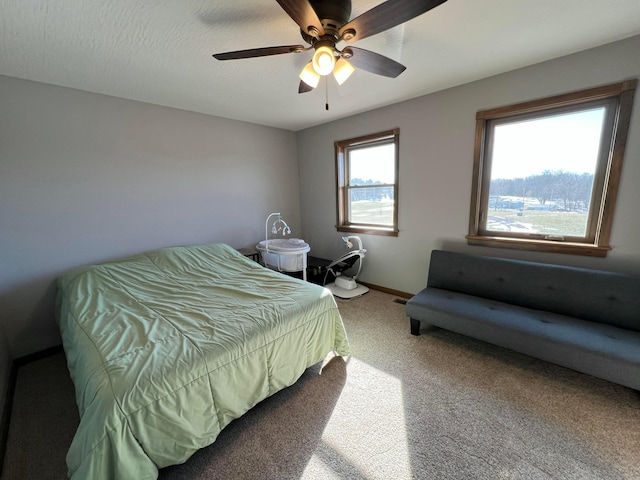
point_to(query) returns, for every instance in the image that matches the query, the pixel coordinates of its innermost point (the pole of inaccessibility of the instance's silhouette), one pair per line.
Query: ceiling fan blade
(304, 15)
(304, 88)
(375, 63)
(258, 52)
(385, 16)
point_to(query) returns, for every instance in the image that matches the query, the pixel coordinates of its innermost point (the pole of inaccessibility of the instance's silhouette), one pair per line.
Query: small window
(546, 172)
(367, 183)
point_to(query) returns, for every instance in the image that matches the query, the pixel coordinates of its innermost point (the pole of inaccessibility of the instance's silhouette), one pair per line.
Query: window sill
(570, 248)
(389, 232)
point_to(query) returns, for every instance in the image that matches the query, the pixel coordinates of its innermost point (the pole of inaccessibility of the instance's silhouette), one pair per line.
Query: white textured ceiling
(159, 51)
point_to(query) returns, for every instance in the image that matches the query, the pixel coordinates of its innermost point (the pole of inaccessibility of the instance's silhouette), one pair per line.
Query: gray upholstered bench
(587, 320)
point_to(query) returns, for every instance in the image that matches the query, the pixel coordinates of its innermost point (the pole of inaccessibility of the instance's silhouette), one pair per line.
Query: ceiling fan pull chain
(326, 93)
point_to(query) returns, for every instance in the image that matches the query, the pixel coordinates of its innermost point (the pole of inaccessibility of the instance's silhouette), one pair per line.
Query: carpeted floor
(437, 406)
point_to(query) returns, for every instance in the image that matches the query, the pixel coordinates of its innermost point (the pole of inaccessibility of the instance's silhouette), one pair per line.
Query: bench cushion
(598, 349)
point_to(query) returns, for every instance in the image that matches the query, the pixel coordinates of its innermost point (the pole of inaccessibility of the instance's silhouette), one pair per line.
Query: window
(546, 172)
(367, 177)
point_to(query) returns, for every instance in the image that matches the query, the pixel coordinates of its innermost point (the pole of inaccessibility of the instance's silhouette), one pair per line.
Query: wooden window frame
(343, 188)
(596, 242)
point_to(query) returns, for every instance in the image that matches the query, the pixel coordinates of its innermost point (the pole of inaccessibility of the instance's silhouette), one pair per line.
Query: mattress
(166, 348)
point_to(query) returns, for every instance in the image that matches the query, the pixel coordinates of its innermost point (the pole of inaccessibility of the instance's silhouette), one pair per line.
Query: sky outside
(373, 163)
(567, 142)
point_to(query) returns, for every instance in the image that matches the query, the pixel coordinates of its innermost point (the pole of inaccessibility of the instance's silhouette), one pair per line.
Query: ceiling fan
(324, 23)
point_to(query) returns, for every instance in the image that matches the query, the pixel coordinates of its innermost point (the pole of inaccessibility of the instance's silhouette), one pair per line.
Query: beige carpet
(437, 406)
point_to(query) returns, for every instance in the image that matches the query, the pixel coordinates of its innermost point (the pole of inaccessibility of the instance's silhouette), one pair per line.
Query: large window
(546, 172)
(367, 183)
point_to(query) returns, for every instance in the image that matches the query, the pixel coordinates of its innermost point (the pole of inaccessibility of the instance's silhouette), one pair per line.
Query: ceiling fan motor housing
(333, 14)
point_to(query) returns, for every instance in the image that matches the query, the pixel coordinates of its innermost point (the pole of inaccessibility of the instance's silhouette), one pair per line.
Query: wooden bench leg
(415, 326)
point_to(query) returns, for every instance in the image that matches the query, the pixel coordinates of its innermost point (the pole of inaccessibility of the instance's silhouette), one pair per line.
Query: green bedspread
(166, 348)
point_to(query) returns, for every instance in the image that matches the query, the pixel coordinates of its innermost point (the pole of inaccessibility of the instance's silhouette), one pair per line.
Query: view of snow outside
(542, 173)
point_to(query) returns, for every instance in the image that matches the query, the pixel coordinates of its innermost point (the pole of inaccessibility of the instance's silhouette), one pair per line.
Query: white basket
(284, 263)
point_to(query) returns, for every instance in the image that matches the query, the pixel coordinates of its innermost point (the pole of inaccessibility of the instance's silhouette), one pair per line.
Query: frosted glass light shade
(342, 71)
(309, 76)
(323, 60)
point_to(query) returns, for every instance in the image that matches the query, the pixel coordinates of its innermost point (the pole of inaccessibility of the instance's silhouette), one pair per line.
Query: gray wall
(86, 178)
(5, 369)
(436, 157)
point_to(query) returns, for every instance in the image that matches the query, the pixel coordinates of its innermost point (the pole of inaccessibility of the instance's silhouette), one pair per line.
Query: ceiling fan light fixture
(342, 71)
(323, 60)
(309, 76)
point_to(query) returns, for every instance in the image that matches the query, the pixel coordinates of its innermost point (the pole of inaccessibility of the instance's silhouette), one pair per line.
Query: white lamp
(309, 76)
(342, 71)
(323, 60)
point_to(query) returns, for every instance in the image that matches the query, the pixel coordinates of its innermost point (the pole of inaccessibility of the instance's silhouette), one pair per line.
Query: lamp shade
(309, 76)
(342, 71)
(323, 60)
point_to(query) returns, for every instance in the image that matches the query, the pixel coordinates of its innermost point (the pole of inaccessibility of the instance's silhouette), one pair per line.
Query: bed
(166, 348)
